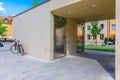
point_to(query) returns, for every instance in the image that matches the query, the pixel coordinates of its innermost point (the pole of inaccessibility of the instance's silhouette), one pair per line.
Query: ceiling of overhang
(88, 10)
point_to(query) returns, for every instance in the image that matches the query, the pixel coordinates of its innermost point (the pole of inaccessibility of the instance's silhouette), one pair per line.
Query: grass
(101, 48)
(98, 48)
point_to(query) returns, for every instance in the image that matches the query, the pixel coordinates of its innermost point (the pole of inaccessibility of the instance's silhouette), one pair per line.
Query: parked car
(110, 43)
(1, 45)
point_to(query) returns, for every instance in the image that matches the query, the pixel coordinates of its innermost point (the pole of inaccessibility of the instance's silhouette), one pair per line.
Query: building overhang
(88, 10)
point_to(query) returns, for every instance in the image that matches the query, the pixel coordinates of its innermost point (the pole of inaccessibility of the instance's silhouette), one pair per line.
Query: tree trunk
(91, 39)
(96, 40)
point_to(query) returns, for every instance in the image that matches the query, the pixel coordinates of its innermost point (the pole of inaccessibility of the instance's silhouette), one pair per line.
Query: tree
(35, 3)
(106, 40)
(95, 30)
(3, 29)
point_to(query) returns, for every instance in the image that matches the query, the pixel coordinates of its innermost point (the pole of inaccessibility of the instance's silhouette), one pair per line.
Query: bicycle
(17, 48)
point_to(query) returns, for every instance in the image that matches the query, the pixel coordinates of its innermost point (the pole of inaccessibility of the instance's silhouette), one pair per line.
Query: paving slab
(16, 67)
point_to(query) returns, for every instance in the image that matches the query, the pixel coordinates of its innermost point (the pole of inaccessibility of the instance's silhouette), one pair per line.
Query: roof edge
(30, 9)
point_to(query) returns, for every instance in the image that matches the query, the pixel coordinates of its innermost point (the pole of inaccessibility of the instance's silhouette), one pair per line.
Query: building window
(113, 26)
(6, 21)
(102, 26)
(94, 37)
(88, 37)
(101, 36)
(88, 27)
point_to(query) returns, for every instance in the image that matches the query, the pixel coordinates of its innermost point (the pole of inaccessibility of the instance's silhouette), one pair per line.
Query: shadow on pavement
(6, 46)
(106, 59)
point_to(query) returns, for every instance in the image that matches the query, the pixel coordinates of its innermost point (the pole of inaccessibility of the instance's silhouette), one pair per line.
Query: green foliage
(3, 29)
(35, 3)
(106, 40)
(101, 48)
(98, 48)
(79, 46)
(95, 30)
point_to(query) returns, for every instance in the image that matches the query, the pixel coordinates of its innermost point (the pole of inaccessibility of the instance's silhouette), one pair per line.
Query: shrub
(106, 40)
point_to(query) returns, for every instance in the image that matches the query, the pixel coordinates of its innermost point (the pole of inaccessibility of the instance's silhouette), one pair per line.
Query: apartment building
(108, 30)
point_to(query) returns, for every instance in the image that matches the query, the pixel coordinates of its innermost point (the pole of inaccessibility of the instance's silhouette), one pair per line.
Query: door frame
(55, 37)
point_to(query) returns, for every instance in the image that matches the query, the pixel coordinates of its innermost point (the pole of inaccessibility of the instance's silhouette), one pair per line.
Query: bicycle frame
(16, 44)
(17, 47)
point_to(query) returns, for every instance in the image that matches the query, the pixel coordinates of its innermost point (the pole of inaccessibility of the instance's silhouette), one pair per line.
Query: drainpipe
(108, 29)
(83, 38)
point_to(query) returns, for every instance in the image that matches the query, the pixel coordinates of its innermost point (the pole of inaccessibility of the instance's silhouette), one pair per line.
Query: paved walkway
(106, 59)
(16, 67)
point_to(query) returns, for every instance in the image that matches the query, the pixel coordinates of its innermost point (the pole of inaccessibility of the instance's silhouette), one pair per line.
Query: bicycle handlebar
(16, 41)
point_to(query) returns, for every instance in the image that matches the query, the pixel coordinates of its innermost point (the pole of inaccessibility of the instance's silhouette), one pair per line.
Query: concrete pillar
(117, 53)
(52, 37)
(71, 37)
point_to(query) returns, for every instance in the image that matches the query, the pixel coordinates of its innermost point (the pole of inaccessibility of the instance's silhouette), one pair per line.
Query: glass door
(59, 38)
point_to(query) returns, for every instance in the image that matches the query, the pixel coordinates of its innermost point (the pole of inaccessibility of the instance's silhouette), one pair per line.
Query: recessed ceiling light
(69, 12)
(106, 16)
(93, 5)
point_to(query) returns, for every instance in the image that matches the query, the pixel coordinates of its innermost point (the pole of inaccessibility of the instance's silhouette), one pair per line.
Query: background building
(107, 31)
(9, 23)
(112, 30)
(89, 39)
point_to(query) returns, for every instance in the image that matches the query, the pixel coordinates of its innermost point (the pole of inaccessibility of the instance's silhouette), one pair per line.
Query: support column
(83, 38)
(71, 37)
(117, 53)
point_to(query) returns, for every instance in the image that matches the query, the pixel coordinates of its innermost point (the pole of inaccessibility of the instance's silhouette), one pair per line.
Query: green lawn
(98, 48)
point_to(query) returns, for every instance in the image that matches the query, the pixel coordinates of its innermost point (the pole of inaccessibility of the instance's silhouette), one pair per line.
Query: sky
(14, 7)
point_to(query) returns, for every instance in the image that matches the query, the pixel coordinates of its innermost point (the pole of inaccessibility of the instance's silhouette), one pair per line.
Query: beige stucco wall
(35, 28)
(117, 53)
(71, 36)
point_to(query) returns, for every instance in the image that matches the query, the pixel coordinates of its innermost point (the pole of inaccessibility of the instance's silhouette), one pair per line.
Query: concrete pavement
(16, 67)
(105, 59)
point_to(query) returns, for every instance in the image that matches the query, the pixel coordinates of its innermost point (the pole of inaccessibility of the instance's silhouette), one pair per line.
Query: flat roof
(31, 8)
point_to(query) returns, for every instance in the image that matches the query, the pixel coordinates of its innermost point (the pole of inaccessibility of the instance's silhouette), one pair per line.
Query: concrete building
(38, 34)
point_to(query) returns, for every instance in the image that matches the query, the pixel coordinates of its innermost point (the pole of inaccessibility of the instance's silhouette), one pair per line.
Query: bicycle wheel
(21, 50)
(14, 49)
